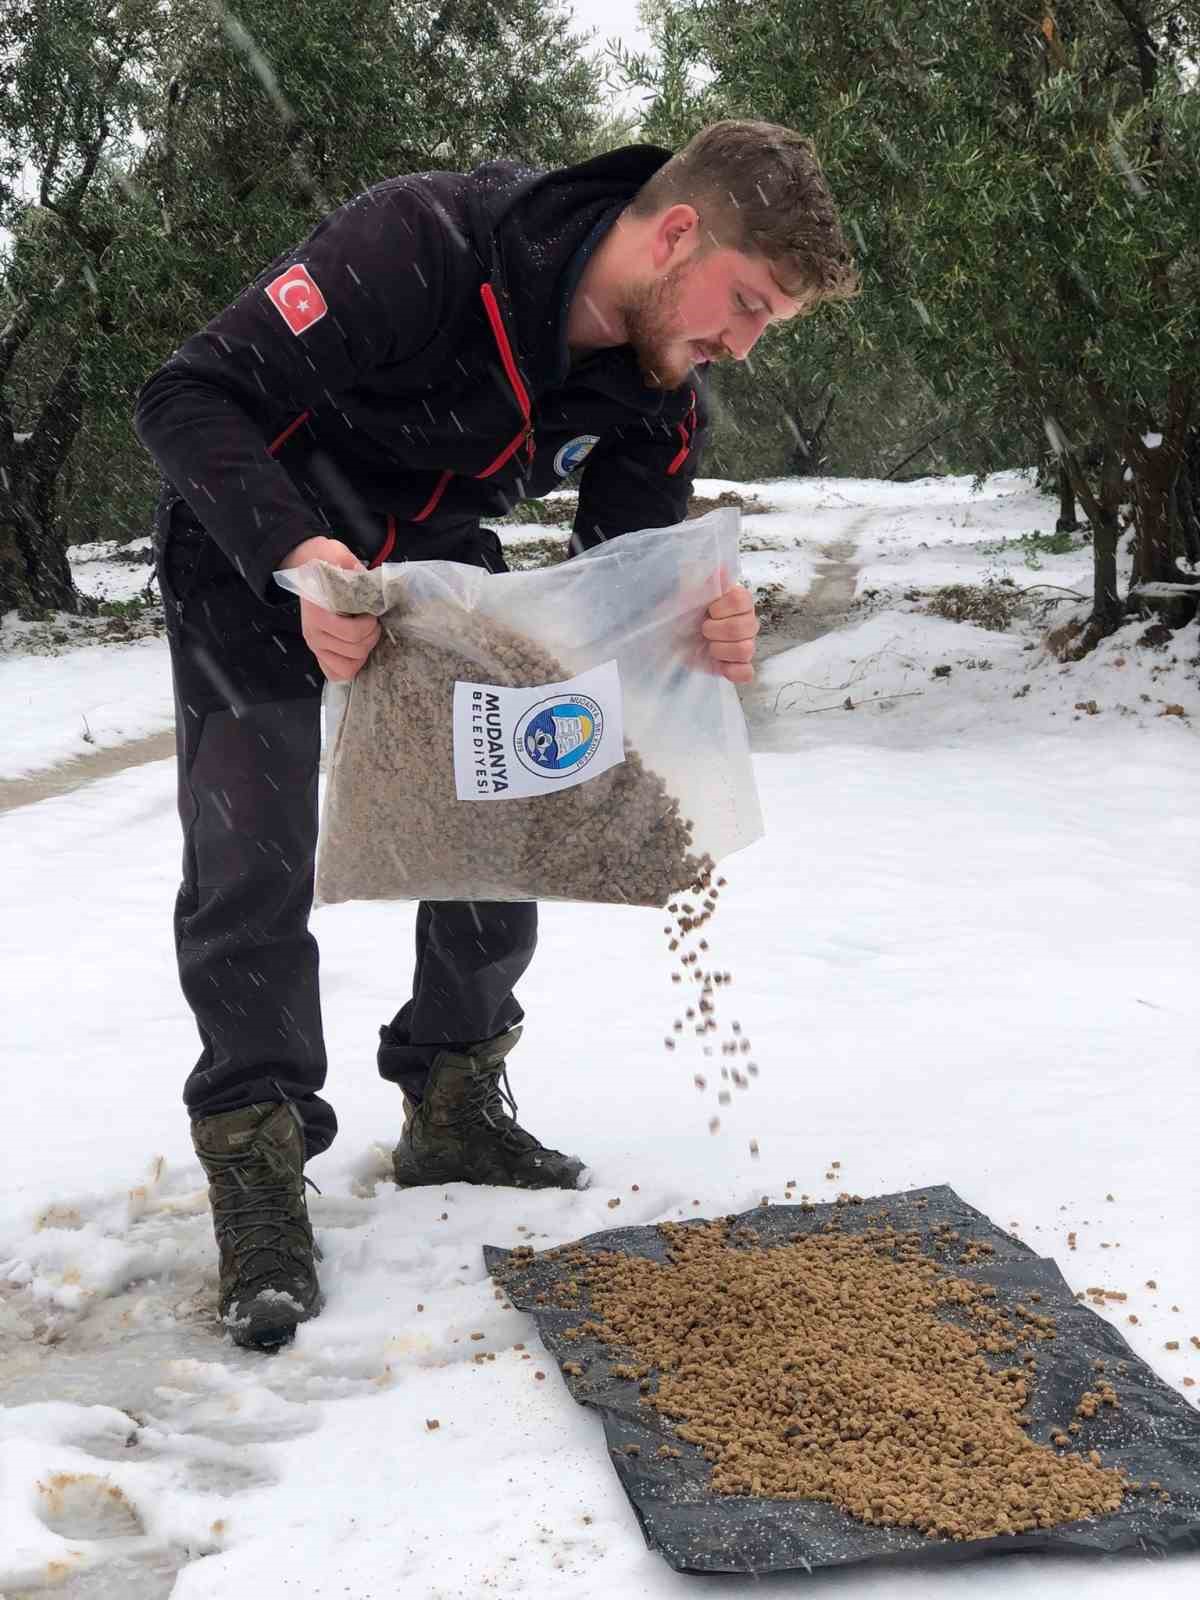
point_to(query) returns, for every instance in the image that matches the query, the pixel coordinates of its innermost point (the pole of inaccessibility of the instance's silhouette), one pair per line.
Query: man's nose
(739, 340)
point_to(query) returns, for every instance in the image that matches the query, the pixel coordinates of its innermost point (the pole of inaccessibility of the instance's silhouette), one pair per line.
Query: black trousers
(247, 720)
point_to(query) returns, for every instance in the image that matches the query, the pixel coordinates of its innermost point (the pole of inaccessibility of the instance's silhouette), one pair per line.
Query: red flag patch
(297, 299)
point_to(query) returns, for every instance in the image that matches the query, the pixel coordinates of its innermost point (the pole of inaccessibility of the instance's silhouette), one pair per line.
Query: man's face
(712, 306)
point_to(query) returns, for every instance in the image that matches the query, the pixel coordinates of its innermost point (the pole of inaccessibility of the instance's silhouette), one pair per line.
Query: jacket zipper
(687, 432)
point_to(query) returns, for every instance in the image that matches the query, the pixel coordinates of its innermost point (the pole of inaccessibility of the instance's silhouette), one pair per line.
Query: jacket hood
(539, 228)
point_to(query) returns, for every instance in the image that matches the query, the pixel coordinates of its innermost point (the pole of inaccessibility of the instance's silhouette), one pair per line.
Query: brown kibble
(1172, 1344)
(635, 1187)
(477, 1336)
(754, 1148)
(1108, 1196)
(1133, 1316)
(432, 1424)
(1150, 1283)
(714, 1124)
(539, 1376)
(420, 1307)
(888, 1442)
(1189, 1383)
(612, 1204)
(700, 1081)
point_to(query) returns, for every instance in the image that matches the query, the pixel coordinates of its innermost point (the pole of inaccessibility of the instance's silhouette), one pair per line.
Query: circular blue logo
(559, 736)
(573, 453)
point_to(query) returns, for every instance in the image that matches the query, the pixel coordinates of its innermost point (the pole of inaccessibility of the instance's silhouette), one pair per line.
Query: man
(436, 349)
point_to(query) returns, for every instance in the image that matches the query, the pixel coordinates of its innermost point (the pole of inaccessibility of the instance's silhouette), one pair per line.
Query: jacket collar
(535, 231)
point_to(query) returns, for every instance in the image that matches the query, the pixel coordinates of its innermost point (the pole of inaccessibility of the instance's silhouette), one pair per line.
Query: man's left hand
(731, 629)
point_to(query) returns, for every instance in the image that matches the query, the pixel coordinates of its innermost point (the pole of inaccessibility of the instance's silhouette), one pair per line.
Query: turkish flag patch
(297, 299)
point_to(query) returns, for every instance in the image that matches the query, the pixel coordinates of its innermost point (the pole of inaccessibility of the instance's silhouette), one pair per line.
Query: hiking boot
(254, 1159)
(465, 1128)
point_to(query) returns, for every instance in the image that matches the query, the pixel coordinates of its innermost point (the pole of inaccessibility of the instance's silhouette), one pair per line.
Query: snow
(964, 953)
(96, 695)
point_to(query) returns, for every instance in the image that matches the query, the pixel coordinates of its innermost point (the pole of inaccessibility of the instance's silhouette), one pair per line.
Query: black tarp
(1154, 1433)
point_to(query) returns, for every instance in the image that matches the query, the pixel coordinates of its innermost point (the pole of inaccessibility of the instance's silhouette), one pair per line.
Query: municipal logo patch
(560, 736)
(295, 296)
(573, 453)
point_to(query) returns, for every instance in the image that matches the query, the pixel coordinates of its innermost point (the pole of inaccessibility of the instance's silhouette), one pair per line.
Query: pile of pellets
(393, 826)
(848, 1368)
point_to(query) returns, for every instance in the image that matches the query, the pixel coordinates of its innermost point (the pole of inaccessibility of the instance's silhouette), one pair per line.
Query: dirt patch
(69, 775)
(699, 504)
(531, 554)
(561, 510)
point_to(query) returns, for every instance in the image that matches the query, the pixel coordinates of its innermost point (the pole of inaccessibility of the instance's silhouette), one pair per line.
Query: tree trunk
(1187, 499)
(1068, 521)
(1156, 469)
(15, 593)
(1104, 513)
(35, 574)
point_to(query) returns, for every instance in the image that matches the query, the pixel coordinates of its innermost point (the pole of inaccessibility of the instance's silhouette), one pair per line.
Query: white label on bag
(510, 744)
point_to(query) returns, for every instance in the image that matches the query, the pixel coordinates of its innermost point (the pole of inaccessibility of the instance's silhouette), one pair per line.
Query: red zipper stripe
(388, 544)
(686, 436)
(491, 306)
(287, 433)
(427, 509)
(510, 366)
(509, 450)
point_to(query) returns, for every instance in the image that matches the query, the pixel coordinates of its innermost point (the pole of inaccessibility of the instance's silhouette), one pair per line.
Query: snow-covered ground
(964, 953)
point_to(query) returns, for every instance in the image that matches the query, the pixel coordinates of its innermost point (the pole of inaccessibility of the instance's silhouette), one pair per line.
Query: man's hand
(731, 630)
(340, 644)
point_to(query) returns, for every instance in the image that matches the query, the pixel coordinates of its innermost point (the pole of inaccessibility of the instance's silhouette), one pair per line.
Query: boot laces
(489, 1099)
(255, 1215)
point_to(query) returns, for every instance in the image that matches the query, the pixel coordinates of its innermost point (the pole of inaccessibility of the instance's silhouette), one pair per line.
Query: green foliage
(130, 609)
(225, 137)
(1021, 186)
(1032, 545)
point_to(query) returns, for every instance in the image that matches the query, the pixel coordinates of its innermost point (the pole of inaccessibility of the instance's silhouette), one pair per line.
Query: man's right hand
(341, 644)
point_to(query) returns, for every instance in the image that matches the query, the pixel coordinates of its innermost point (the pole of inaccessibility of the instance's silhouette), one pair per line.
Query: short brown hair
(760, 190)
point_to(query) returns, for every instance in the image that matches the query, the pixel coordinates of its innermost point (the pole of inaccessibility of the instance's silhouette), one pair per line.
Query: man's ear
(676, 234)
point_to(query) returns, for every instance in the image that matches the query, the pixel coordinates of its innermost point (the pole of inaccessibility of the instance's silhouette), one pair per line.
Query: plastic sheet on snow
(1153, 1434)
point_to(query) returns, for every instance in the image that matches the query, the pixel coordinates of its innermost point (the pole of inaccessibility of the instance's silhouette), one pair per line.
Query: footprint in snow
(80, 1505)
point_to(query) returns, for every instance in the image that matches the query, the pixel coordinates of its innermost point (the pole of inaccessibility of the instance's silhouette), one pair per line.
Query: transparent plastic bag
(548, 735)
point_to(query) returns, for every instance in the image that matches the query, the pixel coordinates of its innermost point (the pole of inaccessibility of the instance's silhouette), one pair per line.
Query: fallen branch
(852, 705)
(1057, 587)
(1166, 591)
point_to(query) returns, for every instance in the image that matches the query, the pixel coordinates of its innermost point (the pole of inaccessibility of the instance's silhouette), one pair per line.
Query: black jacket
(417, 379)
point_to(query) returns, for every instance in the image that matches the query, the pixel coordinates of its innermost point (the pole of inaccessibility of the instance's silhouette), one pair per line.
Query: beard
(651, 317)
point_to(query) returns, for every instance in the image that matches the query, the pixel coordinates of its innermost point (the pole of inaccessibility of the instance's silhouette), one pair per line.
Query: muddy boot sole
(270, 1323)
(412, 1170)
